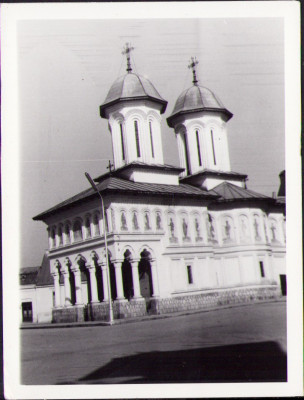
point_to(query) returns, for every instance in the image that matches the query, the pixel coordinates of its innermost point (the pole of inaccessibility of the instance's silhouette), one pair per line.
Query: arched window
(77, 231)
(53, 234)
(213, 148)
(122, 141)
(96, 225)
(88, 228)
(67, 234)
(151, 139)
(137, 138)
(186, 154)
(198, 148)
(60, 239)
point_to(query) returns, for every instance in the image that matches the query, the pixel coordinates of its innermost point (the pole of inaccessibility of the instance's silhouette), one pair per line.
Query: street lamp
(92, 183)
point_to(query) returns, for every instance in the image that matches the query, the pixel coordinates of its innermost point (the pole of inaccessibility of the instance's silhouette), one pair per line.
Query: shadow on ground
(250, 362)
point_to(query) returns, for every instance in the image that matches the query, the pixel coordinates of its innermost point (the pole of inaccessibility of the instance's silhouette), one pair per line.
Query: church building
(182, 237)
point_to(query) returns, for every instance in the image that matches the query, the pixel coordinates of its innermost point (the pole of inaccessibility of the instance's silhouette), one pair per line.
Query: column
(105, 282)
(119, 284)
(67, 287)
(135, 278)
(93, 279)
(154, 278)
(78, 288)
(57, 289)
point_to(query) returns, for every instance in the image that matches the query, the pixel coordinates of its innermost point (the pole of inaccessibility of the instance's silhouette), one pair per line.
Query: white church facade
(178, 237)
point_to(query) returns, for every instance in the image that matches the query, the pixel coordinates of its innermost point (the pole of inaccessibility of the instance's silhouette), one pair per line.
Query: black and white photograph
(151, 200)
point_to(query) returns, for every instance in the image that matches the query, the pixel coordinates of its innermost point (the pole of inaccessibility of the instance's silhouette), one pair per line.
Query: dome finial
(127, 50)
(192, 65)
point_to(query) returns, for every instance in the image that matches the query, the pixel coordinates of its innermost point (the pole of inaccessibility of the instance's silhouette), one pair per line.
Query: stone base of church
(68, 314)
(155, 306)
(214, 298)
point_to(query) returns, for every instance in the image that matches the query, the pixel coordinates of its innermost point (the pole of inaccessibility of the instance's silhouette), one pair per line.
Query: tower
(133, 108)
(199, 119)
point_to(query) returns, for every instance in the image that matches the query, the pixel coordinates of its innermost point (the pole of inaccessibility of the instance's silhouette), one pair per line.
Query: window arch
(122, 141)
(96, 225)
(77, 231)
(213, 145)
(151, 138)
(53, 236)
(198, 147)
(186, 153)
(137, 141)
(67, 233)
(87, 225)
(60, 236)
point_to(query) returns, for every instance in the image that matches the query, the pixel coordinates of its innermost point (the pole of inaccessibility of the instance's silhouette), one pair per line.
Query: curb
(144, 318)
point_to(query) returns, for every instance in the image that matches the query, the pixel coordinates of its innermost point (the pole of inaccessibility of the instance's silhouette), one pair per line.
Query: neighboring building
(179, 238)
(37, 293)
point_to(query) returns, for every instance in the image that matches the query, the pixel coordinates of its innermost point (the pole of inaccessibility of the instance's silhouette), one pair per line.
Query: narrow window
(213, 149)
(96, 225)
(198, 148)
(262, 269)
(189, 272)
(151, 139)
(88, 228)
(67, 234)
(77, 231)
(187, 155)
(122, 142)
(137, 138)
(53, 235)
(60, 236)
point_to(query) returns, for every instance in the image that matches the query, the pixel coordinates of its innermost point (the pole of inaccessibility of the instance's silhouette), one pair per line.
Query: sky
(66, 68)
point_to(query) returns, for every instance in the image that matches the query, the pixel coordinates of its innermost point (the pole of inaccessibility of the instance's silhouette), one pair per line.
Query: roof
(44, 277)
(113, 184)
(211, 172)
(197, 98)
(230, 192)
(28, 275)
(132, 87)
(140, 165)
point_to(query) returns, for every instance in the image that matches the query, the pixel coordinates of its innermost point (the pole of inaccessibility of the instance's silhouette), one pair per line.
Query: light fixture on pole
(92, 183)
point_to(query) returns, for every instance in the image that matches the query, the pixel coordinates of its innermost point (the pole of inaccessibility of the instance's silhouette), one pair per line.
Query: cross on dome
(126, 51)
(192, 65)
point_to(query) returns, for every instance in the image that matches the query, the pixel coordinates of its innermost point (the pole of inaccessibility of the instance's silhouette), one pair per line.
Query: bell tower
(133, 108)
(199, 120)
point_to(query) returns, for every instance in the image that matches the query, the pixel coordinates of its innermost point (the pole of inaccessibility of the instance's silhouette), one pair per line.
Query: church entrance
(145, 278)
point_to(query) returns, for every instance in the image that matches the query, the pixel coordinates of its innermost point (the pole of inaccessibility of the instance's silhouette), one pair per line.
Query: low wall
(214, 298)
(184, 302)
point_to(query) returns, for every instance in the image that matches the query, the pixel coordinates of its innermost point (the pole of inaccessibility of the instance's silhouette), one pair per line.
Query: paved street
(245, 343)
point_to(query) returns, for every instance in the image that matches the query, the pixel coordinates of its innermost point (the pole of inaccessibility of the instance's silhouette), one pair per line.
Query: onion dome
(132, 87)
(197, 98)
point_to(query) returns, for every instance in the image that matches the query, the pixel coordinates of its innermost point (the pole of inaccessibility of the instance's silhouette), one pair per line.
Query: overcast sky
(66, 68)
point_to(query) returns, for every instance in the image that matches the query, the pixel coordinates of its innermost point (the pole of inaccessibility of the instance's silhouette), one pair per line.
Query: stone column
(135, 278)
(57, 289)
(93, 279)
(67, 287)
(154, 278)
(119, 284)
(105, 283)
(78, 287)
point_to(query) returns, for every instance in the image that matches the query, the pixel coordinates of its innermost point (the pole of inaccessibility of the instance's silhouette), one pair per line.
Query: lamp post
(92, 183)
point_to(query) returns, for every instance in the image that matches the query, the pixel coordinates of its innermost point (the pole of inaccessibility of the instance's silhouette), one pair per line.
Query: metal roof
(140, 165)
(112, 184)
(197, 98)
(131, 87)
(228, 191)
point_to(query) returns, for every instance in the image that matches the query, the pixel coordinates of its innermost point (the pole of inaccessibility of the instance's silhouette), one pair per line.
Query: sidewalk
(143, 318)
